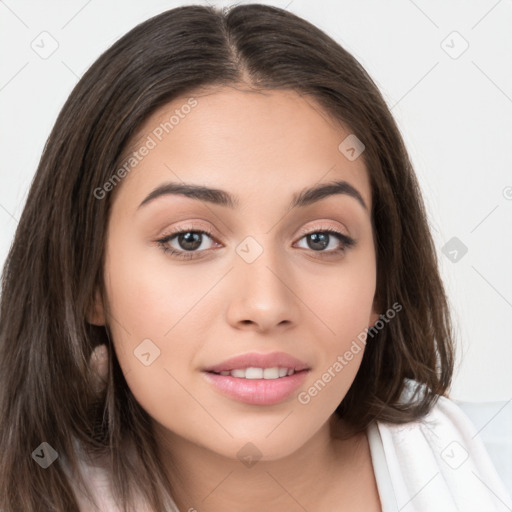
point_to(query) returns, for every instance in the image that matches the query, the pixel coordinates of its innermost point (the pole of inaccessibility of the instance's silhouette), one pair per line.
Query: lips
(258, 379)
(257, 360)
(259, 392)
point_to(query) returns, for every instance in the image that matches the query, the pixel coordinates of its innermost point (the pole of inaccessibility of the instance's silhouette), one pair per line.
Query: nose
(264, 293)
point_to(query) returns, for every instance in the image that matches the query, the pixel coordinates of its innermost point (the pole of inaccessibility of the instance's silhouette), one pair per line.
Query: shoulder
(97, 481)
(98, 495)
(437, 463)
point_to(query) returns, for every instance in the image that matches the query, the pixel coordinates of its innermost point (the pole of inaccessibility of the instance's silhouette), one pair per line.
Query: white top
(437, 464)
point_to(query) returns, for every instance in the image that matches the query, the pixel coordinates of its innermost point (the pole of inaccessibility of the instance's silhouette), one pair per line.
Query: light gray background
(454, 110)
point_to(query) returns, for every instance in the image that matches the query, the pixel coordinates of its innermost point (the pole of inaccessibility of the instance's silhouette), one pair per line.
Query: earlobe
(375, 315)
(96, 314)
(373, 318)
(99, 365)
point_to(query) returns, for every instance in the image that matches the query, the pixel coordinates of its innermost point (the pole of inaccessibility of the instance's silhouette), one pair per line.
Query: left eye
(320, 240)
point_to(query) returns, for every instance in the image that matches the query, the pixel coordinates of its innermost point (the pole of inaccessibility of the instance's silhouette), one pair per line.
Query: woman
(223, 292)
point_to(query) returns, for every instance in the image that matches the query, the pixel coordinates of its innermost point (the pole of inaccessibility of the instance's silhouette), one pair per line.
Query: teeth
(254, 373)
(259, 373)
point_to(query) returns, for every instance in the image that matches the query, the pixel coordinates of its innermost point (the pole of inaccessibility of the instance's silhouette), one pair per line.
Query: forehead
(244, 140)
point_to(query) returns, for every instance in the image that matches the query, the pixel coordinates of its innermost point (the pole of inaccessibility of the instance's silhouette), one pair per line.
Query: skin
(263, 148)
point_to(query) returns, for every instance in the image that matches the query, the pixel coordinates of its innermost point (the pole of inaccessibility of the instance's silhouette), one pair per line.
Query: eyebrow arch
(221, 197)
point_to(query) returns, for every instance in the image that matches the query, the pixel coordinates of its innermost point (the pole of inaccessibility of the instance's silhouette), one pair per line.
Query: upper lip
(256, 360)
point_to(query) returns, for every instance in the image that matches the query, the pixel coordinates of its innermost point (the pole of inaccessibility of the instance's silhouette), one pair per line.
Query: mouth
(254, 373)
(257, 386)
(256, 378)
(253, 364)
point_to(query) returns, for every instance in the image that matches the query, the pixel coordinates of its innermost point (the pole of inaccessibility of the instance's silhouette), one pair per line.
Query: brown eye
(186, 243)
(320, 240)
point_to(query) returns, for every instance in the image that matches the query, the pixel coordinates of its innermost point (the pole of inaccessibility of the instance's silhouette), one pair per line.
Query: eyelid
(347, 242)
(187, 227)
(210, 232)
(322, 226)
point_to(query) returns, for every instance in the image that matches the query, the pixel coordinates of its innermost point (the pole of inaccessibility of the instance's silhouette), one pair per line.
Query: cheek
(342, 299)
(147, 295)
(145, 303)
(148, 319)
(342, 302)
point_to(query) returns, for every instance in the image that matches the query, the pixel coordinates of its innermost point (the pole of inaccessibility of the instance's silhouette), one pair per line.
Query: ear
(96, 314)
(99, 365)
(375, 315)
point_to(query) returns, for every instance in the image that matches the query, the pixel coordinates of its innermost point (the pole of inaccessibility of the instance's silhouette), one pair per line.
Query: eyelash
(346, 242)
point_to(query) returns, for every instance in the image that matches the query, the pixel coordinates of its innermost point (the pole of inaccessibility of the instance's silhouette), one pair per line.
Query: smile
(257, 386)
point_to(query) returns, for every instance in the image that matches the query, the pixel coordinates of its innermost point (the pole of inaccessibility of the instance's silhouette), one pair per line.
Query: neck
(208, 481)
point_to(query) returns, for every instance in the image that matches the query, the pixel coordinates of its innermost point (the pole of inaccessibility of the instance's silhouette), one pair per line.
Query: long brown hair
(56, 261)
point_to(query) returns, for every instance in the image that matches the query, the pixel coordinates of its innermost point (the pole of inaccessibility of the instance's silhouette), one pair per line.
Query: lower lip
(257, 391)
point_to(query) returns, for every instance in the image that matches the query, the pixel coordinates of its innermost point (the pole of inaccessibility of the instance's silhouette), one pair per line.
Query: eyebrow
(221, 197)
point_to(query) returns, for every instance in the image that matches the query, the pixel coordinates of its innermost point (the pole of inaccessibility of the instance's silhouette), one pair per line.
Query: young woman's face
(268, 278)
